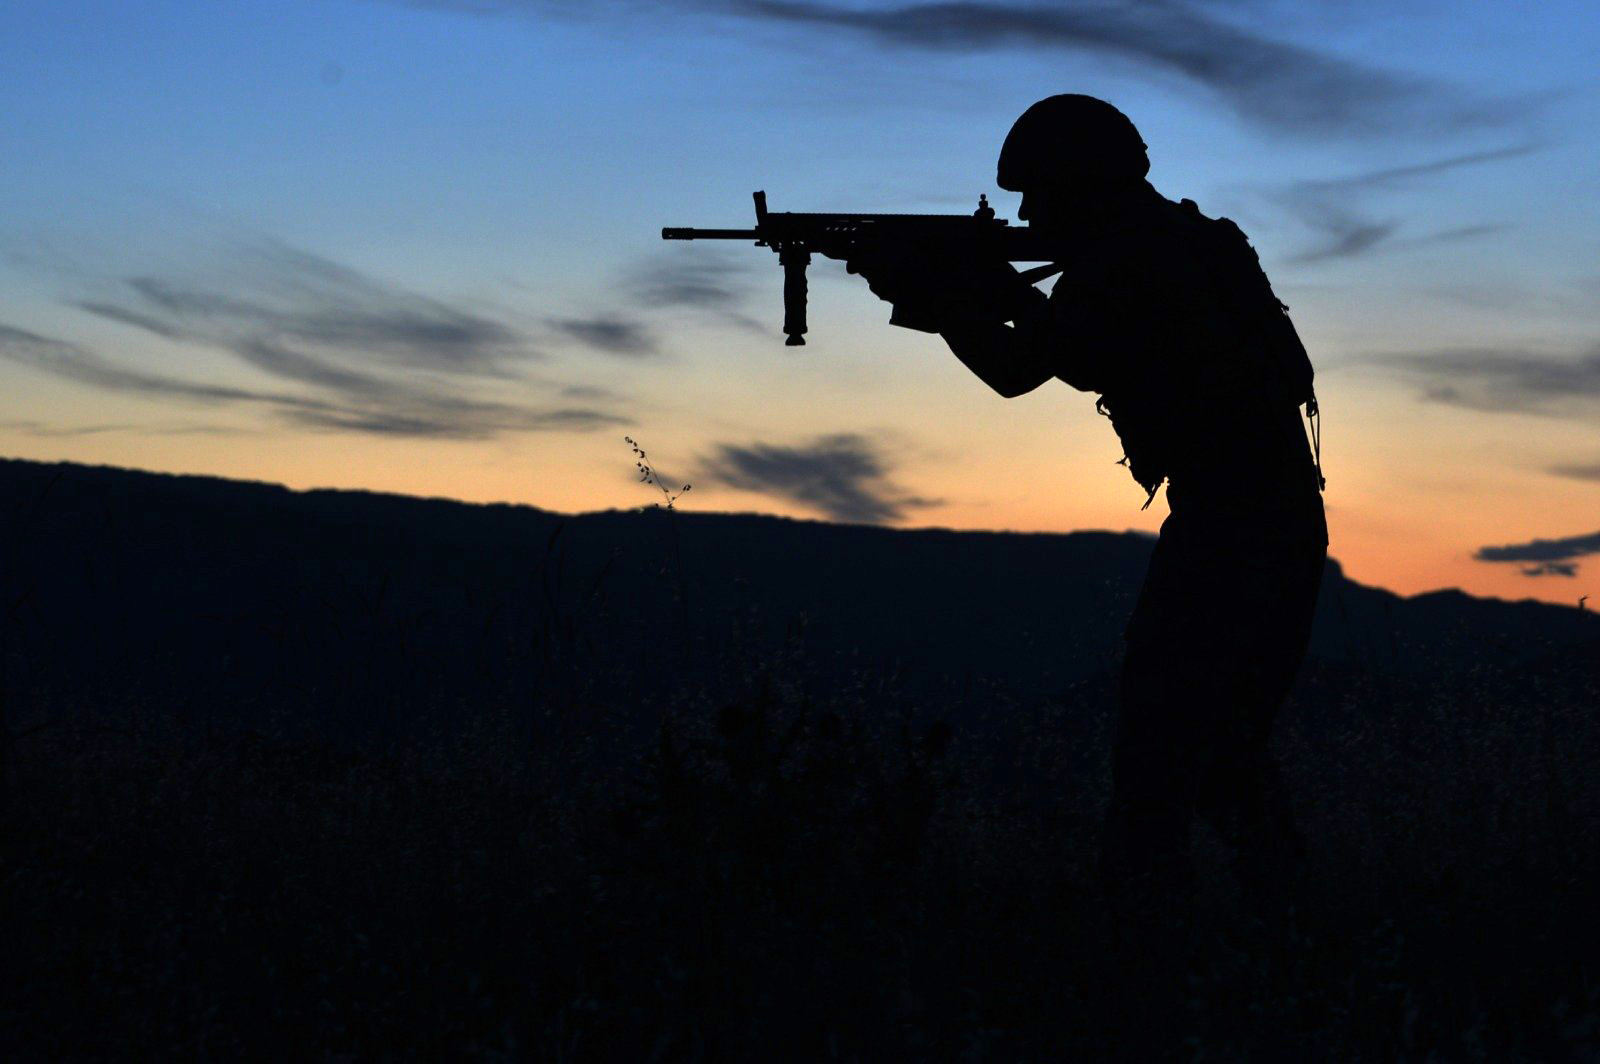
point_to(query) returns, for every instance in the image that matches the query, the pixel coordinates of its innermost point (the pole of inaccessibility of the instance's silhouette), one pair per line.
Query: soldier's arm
(1002, 329)
(1011, 359)
(1047, 338)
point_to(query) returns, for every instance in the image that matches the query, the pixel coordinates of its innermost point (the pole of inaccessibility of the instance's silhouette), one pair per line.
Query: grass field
(779, 870)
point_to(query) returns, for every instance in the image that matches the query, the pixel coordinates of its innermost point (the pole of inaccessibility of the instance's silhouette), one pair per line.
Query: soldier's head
(1069, 153)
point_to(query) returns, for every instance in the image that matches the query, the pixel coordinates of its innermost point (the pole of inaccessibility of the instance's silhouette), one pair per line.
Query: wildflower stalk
(648, 475)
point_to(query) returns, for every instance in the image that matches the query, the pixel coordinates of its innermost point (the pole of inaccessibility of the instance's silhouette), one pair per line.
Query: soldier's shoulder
(1189, 212)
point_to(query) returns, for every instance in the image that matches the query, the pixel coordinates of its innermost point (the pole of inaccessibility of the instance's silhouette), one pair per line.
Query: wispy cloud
(1506, 380)
(123, 316)
(1340, 223)
(843, 476)
(344, 352)
(30, 427)
(1277, 85)
(1548, 557)
(1397, 176)
(612, 335)
(1577, 472)
(1343, 232)
(591, 392)
(80, 364)
(294, 299)
(709, 280)
(1551, 569)
(1460, 232)
(705, 281)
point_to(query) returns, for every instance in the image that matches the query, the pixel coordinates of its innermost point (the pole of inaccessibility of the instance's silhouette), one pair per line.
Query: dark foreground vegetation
(791, 874)
(745, 849)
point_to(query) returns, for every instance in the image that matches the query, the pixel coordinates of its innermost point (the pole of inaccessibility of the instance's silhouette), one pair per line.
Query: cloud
(345, 351)
(842, 476)
(1341, 227)
(1576, 472)
(1551, 569)
(692, 277)
(124, 316)
(615, 336)
(463, 421)
(356, 405)
(1395, 176)
(295, 298)
(84, 366)
(1460, 232)
(705, 279)
(29, 427)
(1280, 86)
(1550, 557)
(1276, 85)
(1344, 232)
(586, 391)
(1506, 381)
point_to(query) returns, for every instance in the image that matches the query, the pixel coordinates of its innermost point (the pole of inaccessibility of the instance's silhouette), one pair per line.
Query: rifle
(795, 235)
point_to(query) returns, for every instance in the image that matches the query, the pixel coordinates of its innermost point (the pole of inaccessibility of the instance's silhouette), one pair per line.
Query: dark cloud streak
(1506, 380)
(1345, 234)
(79, 364)
(356, 354)
(124, 316)
(1576, 472)
(843, 476)
(1282, 87)
(1330, 207)
(1396, 175)
(612, 335)
(397, 412)
(703, 279)
(295, 297)
(1549, 557)
(38, 428)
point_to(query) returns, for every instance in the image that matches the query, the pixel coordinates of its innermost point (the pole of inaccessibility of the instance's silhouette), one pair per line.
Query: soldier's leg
(1152, 772)
(1146, 837)
(1239, 787)
(1241, 792)
(1144, 860)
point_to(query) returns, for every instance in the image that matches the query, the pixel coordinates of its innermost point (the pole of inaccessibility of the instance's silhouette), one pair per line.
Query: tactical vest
(1267, 367)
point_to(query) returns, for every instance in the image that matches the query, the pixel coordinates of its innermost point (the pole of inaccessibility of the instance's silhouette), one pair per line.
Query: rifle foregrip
(794, 262)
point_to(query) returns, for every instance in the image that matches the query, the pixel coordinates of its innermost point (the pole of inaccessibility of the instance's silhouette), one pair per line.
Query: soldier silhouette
(1167, 315)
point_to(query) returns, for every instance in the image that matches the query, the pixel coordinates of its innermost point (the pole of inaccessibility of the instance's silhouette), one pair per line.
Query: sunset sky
(415, 247)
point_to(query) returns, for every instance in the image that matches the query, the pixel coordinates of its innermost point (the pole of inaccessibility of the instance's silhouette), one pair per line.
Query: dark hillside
(198, 592)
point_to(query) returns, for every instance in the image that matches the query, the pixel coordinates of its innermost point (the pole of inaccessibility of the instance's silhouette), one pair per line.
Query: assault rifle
(978, 236)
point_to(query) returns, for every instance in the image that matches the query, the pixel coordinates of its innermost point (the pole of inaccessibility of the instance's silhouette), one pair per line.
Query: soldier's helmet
(1071, 140)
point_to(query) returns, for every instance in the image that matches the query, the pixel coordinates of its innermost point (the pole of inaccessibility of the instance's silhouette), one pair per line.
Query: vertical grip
(794, 260)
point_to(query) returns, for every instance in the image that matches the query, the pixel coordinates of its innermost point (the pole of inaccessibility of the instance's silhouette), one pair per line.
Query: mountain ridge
(323, 491)
(195, 589)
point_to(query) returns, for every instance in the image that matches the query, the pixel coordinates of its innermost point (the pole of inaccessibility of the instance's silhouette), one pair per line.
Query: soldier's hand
(898, 272)
(997, 291)
(834, 246)
(929, 287)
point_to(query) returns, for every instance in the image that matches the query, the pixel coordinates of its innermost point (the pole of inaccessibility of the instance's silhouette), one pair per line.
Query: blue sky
(414, 247)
